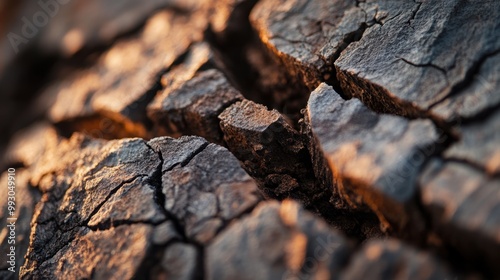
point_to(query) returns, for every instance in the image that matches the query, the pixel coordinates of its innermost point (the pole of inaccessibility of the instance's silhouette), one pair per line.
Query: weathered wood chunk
(277, 156)
(193, 107)
(277, 242)
(424, 56)
(271, 151)
(307, 36)
(19, 232)
(464, 205)
(78, 178)
(374, 159)
(204, 186)
(479, 143)
(391, 259)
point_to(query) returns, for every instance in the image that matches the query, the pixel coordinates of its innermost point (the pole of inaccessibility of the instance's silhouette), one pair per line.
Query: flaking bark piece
(403, 67)
(392, 259)
(204, 186)
(369, 158)
(277, 241)
(464, 206)
(193, 107)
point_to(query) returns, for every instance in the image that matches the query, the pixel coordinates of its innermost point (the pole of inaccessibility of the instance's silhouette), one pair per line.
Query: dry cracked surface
(269, 139)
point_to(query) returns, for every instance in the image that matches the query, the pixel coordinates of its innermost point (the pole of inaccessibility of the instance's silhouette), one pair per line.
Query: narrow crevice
(200, 263)
(468, 79)
(440, 69)
(251, 68)
(188, 159)
(102, 125)
(430, 152)
(111, 193)
(331, 73)
(414, 13)
(280, 161)
(116, 223)
(151, 265)
(474, 165)
(156, 180)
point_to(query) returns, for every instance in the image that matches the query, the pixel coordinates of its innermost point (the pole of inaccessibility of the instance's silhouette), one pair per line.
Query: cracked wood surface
(425, 57)
(373, 159)
(193, 107)
(111, 200)
(396, 156)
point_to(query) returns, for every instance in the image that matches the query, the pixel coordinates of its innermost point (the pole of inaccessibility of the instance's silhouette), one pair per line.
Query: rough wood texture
(117, 210)
(277, 156)
(193, 108)
(205, 187)
(374, 159)
(307, 36)
(464, 205)
(424, 55)
(271, 151)
(385, 192)
(74, 190)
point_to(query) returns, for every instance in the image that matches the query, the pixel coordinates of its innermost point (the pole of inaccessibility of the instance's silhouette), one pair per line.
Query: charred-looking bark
(245, 139)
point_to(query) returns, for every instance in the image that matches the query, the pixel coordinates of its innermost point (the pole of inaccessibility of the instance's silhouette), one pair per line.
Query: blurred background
(44, 41)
